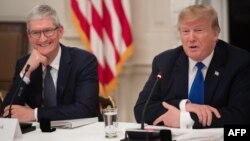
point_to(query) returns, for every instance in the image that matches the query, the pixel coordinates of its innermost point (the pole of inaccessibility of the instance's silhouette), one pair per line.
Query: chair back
(105, 102)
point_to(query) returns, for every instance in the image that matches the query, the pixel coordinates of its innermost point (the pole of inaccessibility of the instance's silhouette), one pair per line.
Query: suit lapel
(37, 80)
(214, 73)
(63, 73)
(180, 77)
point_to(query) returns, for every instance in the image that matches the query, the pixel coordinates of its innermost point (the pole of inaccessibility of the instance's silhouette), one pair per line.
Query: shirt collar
(206, 61)
(55, 63)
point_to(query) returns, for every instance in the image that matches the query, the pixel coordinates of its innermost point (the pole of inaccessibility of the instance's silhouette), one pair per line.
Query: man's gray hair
(43, 11)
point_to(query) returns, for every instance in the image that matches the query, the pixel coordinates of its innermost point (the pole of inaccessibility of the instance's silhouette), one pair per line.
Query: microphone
(19, 90)
(148, 135)
(149, 97)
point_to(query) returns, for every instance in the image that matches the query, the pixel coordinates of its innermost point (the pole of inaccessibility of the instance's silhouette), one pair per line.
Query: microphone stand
(25, 127)
(148, 135)
(146, 104)
(18, 90)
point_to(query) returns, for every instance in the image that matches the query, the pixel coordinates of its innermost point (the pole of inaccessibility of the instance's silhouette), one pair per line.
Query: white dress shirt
(185, 118)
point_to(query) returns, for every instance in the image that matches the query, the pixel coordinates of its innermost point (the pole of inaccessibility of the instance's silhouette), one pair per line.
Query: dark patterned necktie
(49, 89)
(196, 94)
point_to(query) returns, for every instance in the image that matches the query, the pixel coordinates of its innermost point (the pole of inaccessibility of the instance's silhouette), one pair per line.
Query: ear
(61, 31)
(216, 35)
(28, 35)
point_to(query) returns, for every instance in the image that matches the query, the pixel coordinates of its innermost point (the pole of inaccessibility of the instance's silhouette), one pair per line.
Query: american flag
(105, 29)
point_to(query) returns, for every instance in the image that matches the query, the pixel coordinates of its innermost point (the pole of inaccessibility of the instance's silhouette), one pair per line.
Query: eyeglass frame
(47, 33)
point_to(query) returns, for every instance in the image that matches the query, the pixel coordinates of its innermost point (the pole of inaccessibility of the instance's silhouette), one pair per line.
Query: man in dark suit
(225, 70)
(73, 75)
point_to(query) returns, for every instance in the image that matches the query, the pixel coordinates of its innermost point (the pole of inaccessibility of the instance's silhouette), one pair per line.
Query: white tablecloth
(95, 132)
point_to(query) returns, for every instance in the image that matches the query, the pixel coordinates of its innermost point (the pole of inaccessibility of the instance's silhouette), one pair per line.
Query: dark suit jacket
(228, 90)
(77, 87)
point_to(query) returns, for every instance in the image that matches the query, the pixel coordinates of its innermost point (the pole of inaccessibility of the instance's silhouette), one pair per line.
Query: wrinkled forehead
(40, 22)
(200, 21)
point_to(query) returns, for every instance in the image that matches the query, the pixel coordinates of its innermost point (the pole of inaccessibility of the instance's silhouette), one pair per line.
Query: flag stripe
(81, 23)
(123, 21)
(108, 28)
(96, 21)
(82, 20)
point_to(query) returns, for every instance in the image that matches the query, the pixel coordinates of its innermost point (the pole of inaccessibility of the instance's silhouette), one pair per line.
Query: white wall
(154, 30)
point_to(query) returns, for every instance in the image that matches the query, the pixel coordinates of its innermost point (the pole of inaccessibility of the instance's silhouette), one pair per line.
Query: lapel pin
(216, 73)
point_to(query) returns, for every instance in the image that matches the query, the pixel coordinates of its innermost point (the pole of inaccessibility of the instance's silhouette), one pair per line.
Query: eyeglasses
(46, 33)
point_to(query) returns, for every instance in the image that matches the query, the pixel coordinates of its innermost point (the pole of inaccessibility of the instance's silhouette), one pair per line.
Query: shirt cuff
(25, 79)
(186, 122)
(182, 105)
(35, 114)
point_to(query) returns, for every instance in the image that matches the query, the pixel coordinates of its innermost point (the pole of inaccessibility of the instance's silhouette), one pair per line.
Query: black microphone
(19, 90)
(148, 135)
(149, 97)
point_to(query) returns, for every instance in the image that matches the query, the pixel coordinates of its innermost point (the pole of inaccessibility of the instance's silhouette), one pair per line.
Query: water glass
(110, 121)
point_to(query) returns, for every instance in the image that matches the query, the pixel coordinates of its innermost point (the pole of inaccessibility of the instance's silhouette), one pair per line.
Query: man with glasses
(59, 83)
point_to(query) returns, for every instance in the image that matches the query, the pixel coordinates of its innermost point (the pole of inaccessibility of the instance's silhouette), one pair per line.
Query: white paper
(9, 129)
